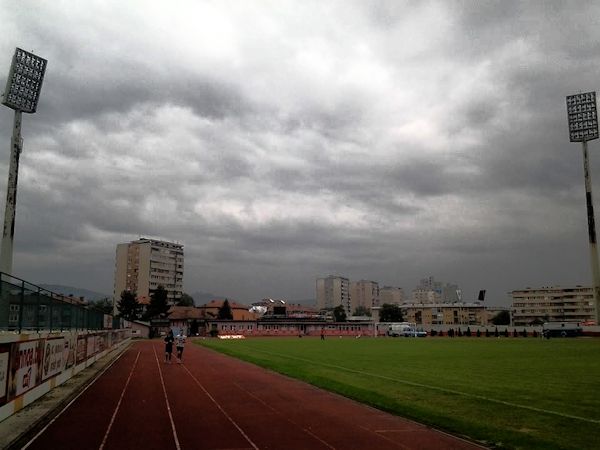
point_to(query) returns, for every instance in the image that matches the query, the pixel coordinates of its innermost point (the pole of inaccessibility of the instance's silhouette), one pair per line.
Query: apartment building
(431, 291)
(425, 296)
(143, 265)
(391, 295)
(364, 293)
(553, 304)
(333, 291)
(445, 314)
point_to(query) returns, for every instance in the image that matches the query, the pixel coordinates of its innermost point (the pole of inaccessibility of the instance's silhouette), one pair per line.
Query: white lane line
(72, 401)
(254, 446)
(162, 381)
(435, 388)
(112, 419)
(266, 405)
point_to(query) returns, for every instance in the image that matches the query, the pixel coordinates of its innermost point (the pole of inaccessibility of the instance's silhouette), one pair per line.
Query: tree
(158, 303)
(128, 305)
(225, 311)
(502, 318)
(105, 305)
(390, 313)
(339, 313)
(362, 310)
(185, 300)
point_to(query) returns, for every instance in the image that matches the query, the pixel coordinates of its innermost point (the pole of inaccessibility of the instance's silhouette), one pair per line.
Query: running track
(216, 402)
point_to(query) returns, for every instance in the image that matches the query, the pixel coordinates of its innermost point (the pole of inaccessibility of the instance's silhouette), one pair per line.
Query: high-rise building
(429, 290)
(391, 295)
(364, 293)
(143, 265)
(333, 291)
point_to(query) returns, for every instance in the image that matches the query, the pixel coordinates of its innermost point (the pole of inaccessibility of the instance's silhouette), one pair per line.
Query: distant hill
(75, 292)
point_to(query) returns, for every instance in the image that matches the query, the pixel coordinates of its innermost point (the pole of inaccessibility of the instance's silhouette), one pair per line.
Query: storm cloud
(284, 141)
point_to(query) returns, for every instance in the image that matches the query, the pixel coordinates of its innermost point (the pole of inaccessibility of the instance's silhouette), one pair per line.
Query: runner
(169, 339)
(180, 342)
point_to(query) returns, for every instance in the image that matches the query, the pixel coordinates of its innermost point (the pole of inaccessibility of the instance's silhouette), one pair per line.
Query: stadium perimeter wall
(33, 364)
(287, 328)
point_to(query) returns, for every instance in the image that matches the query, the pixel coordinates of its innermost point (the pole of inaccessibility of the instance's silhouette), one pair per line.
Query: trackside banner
(24, 368)
(54, 361)
(27, 364)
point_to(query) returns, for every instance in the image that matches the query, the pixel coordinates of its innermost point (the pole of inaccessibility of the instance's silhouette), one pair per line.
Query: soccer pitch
(503, 392)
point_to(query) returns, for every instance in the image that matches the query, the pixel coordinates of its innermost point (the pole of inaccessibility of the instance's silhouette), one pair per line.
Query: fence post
(50, 314)
(37, 311)
(21, 305)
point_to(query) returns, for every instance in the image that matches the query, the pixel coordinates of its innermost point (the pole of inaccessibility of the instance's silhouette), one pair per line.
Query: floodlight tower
(22, 92)
(583, 127)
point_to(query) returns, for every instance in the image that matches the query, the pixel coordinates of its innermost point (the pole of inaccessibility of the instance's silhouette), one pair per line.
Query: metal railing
(27, 307)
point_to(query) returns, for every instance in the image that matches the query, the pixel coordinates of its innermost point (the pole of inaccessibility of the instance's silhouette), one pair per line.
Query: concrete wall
(33, 364)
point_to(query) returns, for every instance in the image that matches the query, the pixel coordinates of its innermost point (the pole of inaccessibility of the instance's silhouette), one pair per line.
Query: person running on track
(180, 342)
(169, 339)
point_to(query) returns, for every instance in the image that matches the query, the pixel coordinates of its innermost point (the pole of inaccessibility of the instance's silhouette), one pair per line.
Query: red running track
(216, 402)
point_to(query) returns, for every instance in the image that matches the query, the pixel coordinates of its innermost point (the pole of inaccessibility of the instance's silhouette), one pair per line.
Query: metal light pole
(583, 127)
(22, 92)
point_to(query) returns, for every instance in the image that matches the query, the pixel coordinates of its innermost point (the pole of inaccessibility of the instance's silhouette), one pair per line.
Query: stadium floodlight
(22, 93)
(583, 127)
(583, 118)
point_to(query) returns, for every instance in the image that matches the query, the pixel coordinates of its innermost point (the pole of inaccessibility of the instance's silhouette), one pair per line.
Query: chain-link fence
(27, 307)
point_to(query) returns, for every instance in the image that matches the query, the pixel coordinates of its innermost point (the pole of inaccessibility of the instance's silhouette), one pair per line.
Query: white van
(405, 329)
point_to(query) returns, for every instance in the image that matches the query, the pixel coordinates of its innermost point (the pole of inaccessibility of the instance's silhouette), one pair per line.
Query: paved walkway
(216, 402)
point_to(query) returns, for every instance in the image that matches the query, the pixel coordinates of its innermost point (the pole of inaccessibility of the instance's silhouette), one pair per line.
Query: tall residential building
(553, 304)
(391, 295)
(333, 291)
(430, 290)
(364, 293)
(425, 296)
(143, 265)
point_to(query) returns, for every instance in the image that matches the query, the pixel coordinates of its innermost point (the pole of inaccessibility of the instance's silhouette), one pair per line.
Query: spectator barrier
(33, 364)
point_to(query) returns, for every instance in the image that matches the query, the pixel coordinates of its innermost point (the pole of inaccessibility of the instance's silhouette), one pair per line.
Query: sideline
(76, 384)
(162, 382)
(112, 419)
(276, 411)
(434, 388)
(254, 446)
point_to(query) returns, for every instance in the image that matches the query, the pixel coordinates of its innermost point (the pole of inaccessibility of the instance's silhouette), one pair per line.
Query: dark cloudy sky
(280, 141)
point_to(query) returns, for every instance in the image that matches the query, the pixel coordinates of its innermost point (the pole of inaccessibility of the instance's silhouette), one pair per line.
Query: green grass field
(505, 393)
